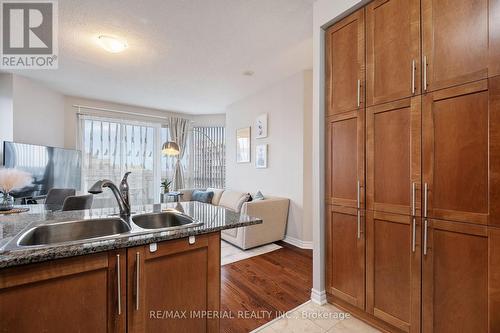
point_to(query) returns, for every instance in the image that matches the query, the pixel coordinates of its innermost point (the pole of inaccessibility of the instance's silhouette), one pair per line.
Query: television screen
(50, 167)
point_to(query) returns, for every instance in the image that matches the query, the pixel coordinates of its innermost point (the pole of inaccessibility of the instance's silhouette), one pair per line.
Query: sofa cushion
(233, 200)
(217, 195)
(202, 196)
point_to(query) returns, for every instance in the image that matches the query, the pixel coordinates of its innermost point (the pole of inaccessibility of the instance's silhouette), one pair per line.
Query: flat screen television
(50, 167)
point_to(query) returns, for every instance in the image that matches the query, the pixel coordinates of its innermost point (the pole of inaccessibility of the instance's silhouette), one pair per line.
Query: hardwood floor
(257, 290)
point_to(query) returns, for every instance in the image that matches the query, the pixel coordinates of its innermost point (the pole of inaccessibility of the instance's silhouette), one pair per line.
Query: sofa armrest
(274, 213)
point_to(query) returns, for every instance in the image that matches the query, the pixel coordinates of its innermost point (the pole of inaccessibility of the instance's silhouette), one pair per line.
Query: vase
(6, 202)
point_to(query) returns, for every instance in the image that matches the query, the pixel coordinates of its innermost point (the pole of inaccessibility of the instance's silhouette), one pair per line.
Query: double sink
(101, 229)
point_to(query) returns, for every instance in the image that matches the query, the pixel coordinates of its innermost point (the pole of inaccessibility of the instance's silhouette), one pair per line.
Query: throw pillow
(259, 196)
(217, 195)
(202, 196)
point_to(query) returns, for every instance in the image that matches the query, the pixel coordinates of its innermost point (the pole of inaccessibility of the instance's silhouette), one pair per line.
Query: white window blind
(112, 147)
(208, 157)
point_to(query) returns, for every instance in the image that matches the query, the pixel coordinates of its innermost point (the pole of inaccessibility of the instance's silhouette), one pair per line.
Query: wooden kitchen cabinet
(345, 64)
(454, 42)
(392, 50)
(455, 277)
(345, 159)
(78, 294)
(393, 160)
(345, 255)
(393, 264)
(494, 38)
(178, 279)
(461, 151)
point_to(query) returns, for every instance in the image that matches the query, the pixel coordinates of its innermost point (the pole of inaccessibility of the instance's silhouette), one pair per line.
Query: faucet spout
(125, 189)
(123, 203)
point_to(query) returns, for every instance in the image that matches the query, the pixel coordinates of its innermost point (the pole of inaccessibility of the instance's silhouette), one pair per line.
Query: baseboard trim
(298, 243)
(318, 296)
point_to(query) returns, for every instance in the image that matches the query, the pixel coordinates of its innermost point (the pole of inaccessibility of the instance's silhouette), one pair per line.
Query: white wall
(38, 113)
(325, 12)
(6, 112)
(288, 105)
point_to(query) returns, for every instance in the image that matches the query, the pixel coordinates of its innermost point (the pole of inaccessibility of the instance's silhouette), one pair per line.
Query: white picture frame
(243, 142)
(261, 126)
(261, 156)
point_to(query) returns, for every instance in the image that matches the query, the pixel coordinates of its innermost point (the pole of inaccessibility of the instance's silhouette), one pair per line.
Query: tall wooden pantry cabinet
(412, 126)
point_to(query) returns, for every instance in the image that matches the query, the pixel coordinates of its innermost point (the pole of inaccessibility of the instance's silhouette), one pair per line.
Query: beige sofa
(272, 210)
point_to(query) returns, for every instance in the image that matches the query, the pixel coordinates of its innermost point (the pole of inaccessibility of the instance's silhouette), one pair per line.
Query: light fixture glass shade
(170, 148)
(112, 44)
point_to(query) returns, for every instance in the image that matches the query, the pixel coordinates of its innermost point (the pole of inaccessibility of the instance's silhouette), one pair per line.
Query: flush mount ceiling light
(112, 44)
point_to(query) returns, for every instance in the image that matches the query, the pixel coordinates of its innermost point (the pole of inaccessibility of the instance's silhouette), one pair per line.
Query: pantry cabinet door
(392, 50)
(345, 161)
(345, 64)
(345, 258)
(454, 42)
(455, 277)
(393, 157)
(393, 254)
(456, 147)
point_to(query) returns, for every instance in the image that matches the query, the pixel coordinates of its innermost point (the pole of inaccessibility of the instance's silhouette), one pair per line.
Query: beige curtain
(179, 131)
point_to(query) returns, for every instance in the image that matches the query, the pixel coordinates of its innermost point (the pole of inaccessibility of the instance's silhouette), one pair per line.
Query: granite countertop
(214, 219)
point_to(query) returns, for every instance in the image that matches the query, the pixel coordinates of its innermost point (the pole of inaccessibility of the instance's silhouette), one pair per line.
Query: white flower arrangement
(12, 179)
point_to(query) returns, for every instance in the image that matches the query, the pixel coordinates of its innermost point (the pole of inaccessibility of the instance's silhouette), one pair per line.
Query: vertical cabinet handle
(119, 284)
(137, 279)
(359, 93)
(413, 203)
(414, 233)
(358, 203)
(426, 189)
(413, 68)
(359, 224)
(425, 237)
(358, 206)
(425, 73)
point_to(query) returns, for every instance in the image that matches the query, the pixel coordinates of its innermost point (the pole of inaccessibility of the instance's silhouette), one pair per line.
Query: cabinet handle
(137, 279)
(359, 93)
(359, 224)
(414, 238)
(119, 284)
(413, 203)
(426, 188)
(413, 77)
(358, 203)
(425, 73)
(425, 237)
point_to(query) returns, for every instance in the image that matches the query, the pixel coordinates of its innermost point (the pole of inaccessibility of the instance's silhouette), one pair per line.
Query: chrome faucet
(124, 188)
(121, 194)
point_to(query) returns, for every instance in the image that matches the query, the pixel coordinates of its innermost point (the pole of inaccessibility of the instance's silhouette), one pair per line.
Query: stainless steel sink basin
(166, 220)
(70, 231)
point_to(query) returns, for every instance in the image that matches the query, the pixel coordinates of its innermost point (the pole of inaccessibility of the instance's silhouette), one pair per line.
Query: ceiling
(184, 55)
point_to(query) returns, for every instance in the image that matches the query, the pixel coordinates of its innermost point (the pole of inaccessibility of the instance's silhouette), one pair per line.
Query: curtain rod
(122, 112)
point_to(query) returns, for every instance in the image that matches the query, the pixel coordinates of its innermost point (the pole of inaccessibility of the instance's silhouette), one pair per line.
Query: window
(110, 148)
(208, 157)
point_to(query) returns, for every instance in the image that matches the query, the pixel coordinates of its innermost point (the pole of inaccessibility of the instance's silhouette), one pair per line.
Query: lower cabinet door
(455, 277)
(78, 294)
(393, 269)
(175, 287)
(345, 268)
